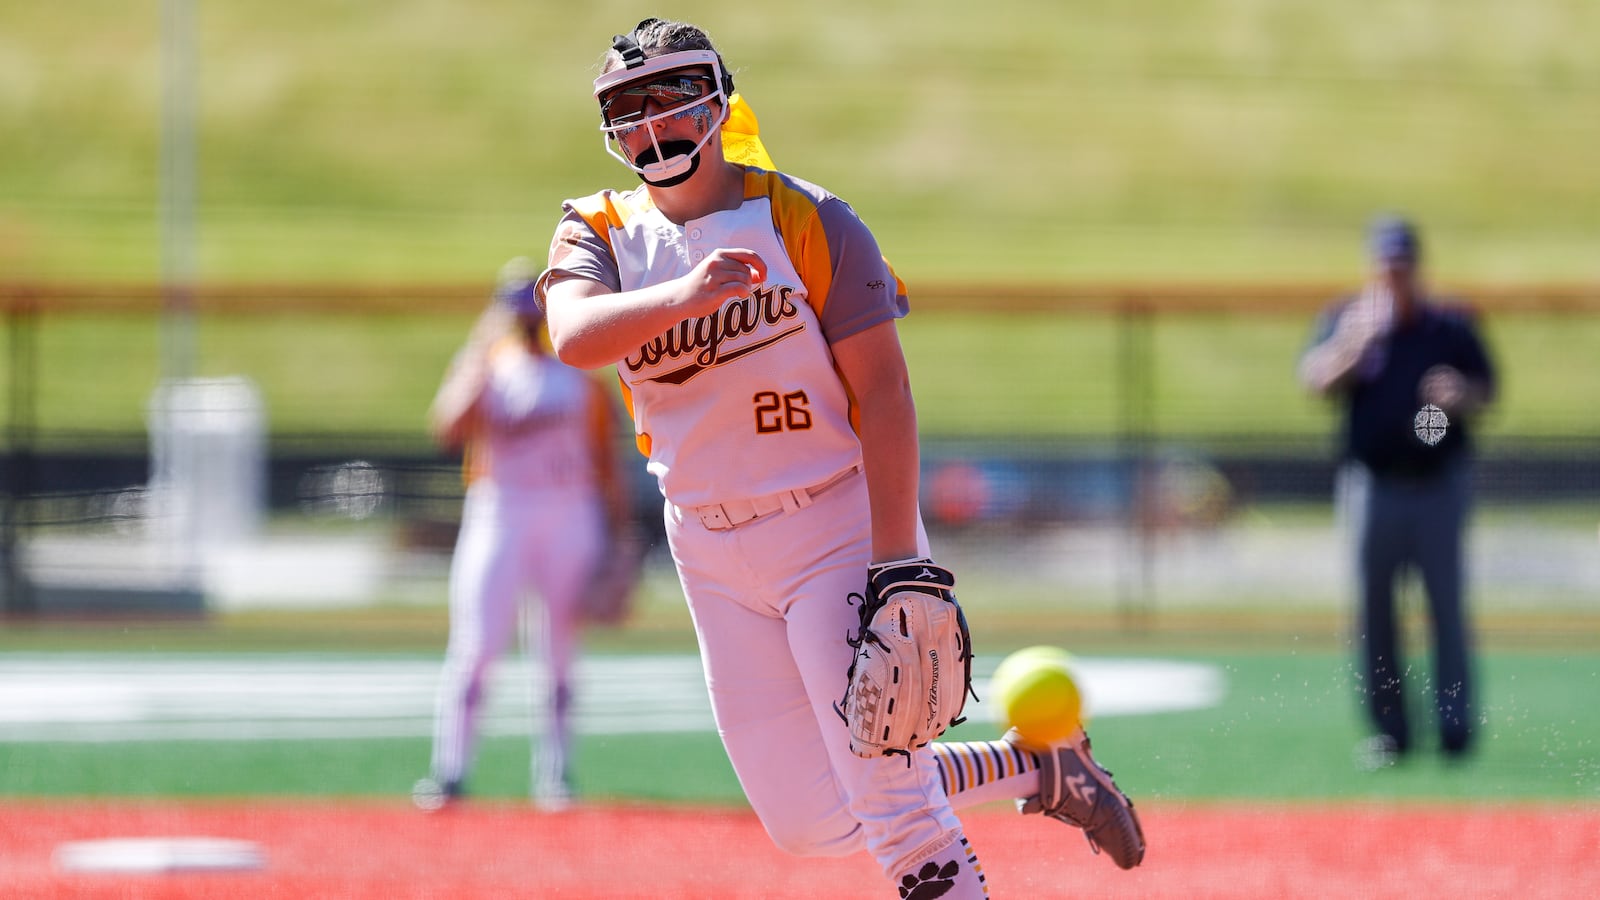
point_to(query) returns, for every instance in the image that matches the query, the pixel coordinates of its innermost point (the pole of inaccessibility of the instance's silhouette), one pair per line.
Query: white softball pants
(547, 542)
(768, 599)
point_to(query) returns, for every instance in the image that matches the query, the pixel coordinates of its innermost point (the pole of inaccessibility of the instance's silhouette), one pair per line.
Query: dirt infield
(372, 850)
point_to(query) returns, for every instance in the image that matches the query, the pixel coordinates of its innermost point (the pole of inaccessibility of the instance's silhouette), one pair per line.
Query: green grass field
(1013, 140)
(1285, 730)
(1016, 141)
(1010, 142)
(1285, 727)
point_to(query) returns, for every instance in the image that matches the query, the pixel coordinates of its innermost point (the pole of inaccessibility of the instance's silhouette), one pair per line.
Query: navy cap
(1393, 240)
(515, 288)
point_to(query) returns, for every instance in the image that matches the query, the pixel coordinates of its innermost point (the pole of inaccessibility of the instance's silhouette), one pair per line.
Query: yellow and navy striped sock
(965, 766)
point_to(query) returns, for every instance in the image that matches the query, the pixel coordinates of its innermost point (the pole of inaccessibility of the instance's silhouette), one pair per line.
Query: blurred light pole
(177, 187)
(178, 157)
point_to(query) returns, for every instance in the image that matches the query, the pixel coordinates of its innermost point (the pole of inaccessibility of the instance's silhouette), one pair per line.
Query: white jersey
(541, 424)
(746, 402)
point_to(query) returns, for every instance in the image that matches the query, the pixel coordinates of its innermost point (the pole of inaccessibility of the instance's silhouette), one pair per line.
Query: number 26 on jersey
(781, 412)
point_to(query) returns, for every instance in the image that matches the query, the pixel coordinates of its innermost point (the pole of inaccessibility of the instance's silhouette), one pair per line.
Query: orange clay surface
(387, 850)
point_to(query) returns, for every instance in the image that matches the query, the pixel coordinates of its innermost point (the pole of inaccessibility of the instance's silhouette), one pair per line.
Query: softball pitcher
(542, 505)
(750, 316)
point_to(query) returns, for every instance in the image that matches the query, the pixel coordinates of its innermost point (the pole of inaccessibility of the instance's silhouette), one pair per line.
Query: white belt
(732, 514)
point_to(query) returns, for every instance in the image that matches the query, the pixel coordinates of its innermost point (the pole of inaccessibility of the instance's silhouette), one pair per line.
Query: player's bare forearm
(1328, 367)
(452, 413)
(874, 367)
(592, 326)
(456, 403)
(1331, 365)
(890, 460)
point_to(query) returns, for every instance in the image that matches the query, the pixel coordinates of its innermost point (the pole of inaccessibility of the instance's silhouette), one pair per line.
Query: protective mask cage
(636, 69)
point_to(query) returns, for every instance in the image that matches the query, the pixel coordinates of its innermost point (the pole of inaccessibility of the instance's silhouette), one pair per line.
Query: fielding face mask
(679, 85)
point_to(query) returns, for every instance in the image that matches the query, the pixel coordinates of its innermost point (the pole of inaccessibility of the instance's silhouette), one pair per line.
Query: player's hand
(1444, 387)
(723, 275)
(1363, 322)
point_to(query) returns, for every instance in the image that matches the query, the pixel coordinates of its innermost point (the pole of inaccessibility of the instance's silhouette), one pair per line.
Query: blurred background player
(1410, 375)
(750, 316)
(543, 506)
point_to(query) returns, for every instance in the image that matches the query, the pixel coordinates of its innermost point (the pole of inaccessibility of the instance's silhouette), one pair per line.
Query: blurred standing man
(543, 508)
(1410, 375)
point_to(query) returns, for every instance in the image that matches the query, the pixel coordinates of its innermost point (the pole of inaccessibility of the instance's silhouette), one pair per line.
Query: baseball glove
(912, 669)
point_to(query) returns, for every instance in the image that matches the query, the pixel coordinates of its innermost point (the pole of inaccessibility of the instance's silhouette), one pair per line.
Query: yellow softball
(1035, 693)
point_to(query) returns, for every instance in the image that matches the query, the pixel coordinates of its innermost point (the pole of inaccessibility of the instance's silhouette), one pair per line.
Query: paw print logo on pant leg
(930, 881)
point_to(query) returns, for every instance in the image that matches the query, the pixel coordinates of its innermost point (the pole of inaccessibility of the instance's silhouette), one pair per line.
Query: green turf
(1016, 139)
(1290, 724)
(687, 767)
(1042, 142)
(1234, 139)
(1285, 730)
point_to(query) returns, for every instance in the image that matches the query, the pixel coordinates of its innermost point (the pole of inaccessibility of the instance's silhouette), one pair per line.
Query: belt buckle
(718, 517)
(714, 517)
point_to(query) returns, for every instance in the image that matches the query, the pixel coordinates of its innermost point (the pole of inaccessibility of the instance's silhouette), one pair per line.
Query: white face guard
(683, 96)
